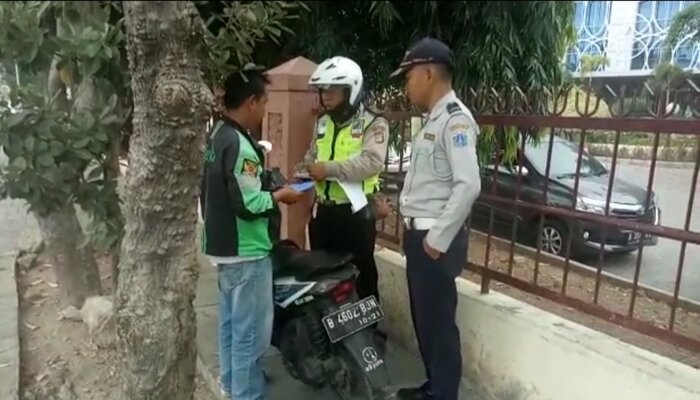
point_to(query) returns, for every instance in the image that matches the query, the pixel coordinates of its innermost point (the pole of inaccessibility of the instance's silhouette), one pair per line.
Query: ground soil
(581, 287)
(61, 353)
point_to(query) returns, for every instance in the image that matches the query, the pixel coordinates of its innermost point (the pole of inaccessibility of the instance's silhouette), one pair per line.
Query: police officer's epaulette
(374, 111)
(453, 108)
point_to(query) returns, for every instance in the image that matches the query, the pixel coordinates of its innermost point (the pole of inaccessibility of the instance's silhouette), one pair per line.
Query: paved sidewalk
(405, 368)
(16, 226)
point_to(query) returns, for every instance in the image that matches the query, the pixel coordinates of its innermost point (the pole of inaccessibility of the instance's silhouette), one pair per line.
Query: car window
(564, 158)
(510, 168)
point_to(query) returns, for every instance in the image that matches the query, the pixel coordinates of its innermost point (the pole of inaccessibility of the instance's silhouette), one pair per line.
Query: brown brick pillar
(289, 126)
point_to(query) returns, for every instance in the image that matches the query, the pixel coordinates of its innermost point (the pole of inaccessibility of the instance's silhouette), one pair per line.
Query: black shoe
(419, 393)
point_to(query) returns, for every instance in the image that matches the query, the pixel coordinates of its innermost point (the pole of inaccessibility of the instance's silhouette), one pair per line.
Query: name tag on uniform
(429, 136)
(321, 129)
(357, 128)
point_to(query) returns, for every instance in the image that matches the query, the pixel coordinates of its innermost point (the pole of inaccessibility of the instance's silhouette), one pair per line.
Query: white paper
(357, 197)
(288, 290)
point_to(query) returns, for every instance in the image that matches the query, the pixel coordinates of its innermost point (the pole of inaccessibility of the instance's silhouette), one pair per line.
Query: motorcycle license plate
(353, 318)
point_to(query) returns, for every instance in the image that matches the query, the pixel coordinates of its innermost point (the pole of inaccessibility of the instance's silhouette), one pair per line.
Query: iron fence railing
(652, 111)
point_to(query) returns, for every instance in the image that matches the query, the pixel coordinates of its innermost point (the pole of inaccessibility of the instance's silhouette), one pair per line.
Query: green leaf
(29, 143)
(111, 119)
(15, 119)
(20, 163)
(81, 143)
(95, 66)
(83, 154)
(101, 136)
(112, 102)
(56, 148)
(42, 147)
(45, 160)
(274, 30)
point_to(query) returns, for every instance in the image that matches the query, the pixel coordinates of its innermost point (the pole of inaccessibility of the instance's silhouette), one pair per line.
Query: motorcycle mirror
(267, 146)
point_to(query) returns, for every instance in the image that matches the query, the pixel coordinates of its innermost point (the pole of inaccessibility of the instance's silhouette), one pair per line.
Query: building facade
(631, 35)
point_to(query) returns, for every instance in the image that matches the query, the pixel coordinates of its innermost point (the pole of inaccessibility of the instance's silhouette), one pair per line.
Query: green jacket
(239, 216)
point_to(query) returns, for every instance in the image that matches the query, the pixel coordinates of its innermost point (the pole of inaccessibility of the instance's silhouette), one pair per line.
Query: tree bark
(158, 270)
(73, 262)
(112, 172)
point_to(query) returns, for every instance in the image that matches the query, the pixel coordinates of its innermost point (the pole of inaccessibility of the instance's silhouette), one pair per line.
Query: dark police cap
(425, 51)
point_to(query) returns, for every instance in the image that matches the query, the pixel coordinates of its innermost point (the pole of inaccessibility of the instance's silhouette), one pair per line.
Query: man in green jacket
(239, 232)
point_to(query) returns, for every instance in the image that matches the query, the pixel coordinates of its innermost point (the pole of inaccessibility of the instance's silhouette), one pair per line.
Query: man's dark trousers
(433, 295)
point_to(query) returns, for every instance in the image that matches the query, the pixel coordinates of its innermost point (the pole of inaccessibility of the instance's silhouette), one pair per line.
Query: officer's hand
(317, 171)
(287, 195)
(431, 252)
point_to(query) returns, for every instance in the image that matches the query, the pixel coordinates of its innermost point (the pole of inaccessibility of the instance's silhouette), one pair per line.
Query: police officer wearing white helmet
(349, 145)
(441, 185)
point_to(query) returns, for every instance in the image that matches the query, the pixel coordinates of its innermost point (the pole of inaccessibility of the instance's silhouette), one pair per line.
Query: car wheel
(553, 238)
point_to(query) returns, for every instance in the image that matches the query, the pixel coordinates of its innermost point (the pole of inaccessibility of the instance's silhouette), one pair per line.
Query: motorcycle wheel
(350, 381)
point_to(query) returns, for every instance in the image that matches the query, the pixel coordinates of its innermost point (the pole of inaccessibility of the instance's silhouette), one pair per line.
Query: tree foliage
(686, 23)
(69, 108)
(513, 48)
(496, 44)
(235, 29)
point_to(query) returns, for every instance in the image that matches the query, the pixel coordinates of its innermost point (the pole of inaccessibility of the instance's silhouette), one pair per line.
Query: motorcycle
(323, 330)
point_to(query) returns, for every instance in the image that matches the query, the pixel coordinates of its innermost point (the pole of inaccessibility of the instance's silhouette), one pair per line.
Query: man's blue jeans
(245, 326)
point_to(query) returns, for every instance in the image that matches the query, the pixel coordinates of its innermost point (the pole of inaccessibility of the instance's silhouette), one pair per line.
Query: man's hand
(287, 195)
(317, 171)
(382, 207)
(431, 252)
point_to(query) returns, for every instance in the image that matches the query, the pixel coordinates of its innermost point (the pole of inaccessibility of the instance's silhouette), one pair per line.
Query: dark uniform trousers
(433, 295)
(336, 229)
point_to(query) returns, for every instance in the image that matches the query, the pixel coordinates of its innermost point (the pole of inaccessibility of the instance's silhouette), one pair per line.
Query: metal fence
(535, 196)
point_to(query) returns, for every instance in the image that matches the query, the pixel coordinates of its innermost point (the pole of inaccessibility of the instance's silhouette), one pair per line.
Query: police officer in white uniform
(441, 185)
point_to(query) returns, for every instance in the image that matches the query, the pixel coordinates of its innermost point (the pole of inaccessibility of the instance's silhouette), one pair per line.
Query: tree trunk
(158, 270)
(73, 262)
(112, 173)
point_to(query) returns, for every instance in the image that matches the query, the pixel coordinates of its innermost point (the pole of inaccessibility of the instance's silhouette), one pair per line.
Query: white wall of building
(613, 28)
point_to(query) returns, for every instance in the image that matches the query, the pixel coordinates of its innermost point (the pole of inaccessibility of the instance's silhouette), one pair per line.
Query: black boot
(418, 393)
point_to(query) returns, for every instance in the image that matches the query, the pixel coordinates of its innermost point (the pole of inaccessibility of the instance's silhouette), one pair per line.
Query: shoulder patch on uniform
(379, 133)
(453, 108)
(250, 167)
(457, 127)
(459, 139)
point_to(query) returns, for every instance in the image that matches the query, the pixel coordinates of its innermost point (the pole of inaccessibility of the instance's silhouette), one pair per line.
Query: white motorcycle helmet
(340, 71)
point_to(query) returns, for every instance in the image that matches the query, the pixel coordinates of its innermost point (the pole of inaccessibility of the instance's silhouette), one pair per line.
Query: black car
(627, 201)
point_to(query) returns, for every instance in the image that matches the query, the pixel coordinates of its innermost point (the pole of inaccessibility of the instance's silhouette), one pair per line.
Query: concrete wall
(518, 352)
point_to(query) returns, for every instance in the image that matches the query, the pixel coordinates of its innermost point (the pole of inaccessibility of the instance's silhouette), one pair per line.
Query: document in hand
(355, 194)
(302, 186)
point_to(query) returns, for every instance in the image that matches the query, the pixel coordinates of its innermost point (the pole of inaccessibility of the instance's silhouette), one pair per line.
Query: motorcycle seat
(290, 260)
